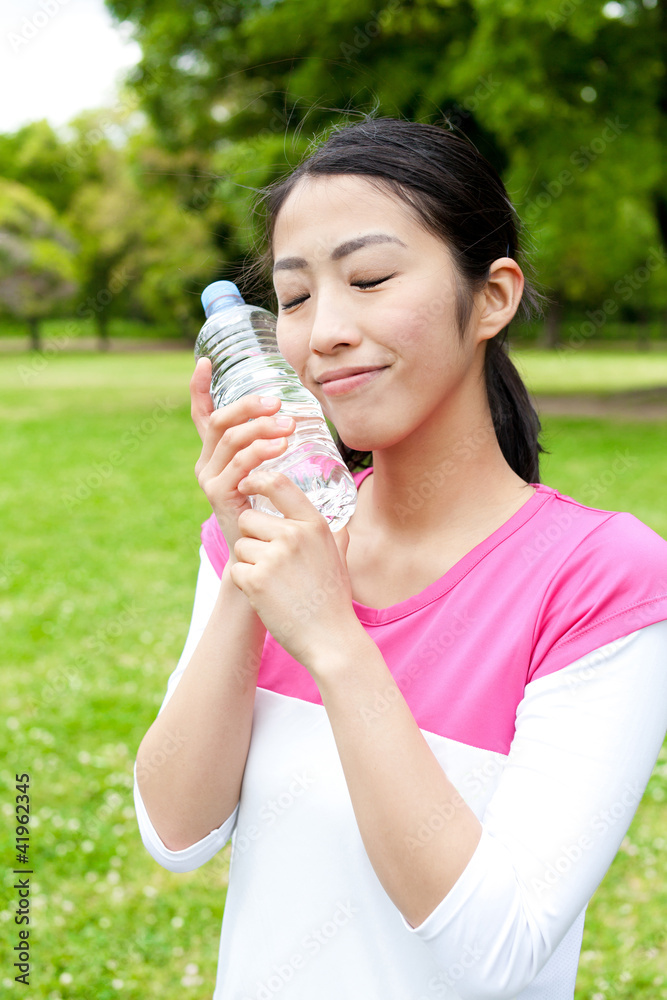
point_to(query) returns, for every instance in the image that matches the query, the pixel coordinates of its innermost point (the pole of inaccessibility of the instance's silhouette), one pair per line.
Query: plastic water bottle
(240, 340)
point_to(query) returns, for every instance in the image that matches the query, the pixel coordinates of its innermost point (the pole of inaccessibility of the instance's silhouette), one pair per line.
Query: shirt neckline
(439, 587)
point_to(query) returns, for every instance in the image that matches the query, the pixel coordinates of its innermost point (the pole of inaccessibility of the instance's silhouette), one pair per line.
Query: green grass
(100, 516)
(566, 372)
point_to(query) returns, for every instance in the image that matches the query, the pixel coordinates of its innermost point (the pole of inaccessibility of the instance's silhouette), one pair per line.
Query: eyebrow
(294, 263)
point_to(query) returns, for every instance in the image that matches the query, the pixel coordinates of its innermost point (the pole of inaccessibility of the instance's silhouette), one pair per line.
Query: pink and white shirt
(536, 668)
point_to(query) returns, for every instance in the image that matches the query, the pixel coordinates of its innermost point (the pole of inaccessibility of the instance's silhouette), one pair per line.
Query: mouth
(337, 386)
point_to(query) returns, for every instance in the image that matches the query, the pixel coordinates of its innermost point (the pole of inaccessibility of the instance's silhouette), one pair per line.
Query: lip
(338, 373)
(337, 385)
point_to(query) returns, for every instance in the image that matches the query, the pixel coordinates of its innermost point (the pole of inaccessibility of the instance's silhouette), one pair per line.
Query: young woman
(428, 732)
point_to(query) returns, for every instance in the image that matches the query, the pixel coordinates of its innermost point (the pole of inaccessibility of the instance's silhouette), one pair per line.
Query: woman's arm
(395, 782)
(507, 891)
(190, 763)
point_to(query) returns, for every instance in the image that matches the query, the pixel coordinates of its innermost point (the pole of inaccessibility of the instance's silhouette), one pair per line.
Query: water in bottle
(240, 340)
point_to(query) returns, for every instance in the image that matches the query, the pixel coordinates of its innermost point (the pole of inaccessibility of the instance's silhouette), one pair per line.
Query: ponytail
(515, 419)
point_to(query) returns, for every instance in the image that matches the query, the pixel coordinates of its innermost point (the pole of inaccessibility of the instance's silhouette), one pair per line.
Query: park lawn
(568, 371)
(100, 515)
(561, 372)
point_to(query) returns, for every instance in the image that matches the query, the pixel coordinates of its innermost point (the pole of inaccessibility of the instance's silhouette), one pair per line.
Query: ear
(499, 300)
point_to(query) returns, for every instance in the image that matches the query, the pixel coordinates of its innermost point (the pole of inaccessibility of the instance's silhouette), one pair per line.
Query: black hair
(459, 197)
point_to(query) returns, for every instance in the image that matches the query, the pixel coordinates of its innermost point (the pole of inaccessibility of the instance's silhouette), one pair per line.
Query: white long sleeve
(587, 738)
(206, 593)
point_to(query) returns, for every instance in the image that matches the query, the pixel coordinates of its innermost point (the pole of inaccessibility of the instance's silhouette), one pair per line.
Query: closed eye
(357, 284)
(372, 284)
(295, 302)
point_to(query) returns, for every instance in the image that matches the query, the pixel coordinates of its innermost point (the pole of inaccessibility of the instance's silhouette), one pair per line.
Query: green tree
(140, 252)
(31, 156)
(38, 272)
(535, 86)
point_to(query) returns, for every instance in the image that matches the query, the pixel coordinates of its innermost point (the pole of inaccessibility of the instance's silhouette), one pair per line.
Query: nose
(334, 324)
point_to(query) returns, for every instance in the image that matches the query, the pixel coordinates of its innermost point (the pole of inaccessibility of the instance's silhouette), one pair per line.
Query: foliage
(140, 252)
(543, 90)
(567, 100)
(37, 264)
(30, 156)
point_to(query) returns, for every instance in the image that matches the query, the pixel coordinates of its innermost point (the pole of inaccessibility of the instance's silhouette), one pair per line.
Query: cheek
(289, 347)
(424, 337)
(419, 320)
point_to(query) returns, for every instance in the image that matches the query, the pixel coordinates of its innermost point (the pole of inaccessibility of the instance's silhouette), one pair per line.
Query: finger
(260, 525)
(285, 495)
(238, 426)
(249, 550)
(201, 406)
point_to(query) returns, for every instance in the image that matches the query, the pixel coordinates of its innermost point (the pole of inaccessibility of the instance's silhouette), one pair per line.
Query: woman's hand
(293, 571)
(232, 447)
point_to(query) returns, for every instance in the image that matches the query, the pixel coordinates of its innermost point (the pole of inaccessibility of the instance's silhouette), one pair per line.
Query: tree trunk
(551, 332)
(35, 340)
(102, 331)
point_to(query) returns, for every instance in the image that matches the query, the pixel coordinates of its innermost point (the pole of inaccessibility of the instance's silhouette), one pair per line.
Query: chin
(363, 439)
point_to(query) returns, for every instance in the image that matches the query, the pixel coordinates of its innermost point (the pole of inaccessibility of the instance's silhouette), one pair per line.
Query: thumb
(201, 406)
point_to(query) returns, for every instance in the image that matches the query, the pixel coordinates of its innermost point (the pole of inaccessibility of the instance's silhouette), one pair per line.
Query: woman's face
(362, 284)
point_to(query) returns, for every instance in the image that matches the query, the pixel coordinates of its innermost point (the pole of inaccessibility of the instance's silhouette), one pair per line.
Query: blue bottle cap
(223, 293)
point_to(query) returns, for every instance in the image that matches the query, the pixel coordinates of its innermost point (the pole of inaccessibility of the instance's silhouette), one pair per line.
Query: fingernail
(282, 421)
(268, 400)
